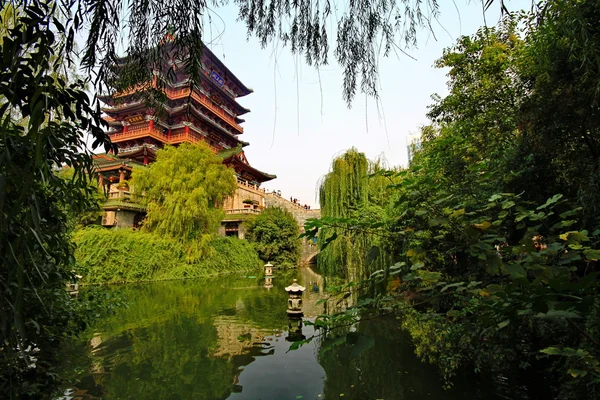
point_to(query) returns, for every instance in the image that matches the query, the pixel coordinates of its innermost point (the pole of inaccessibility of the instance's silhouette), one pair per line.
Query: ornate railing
(139, 131)
(206, 102)
(249, 186)
(243, 211)
(124, 195)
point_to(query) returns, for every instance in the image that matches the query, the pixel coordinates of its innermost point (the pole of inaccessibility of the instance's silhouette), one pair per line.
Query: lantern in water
(295, 333)
(295, 298)
(268, 269)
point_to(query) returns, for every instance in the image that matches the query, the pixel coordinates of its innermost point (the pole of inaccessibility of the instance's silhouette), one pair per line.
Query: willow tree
(350, 192)
(184, 190)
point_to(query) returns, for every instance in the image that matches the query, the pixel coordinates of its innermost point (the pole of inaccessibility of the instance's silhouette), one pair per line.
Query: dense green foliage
(274, 233)
(95, 196)
(124, 255)
(43, 120)
(184, 191)
(347, 192)
(494, 226)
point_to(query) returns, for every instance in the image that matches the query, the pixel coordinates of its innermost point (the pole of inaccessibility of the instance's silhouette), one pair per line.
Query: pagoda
(204, 111)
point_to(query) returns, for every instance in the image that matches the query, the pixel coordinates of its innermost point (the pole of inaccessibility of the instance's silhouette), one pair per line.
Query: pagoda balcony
(175, 94)
(140, 131)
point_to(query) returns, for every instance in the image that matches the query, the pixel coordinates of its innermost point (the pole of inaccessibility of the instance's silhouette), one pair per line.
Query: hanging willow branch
(349, 192)
(364, 30)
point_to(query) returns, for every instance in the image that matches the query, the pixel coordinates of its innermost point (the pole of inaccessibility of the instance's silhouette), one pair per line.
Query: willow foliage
(349, 191)
(364, 30)
(184, 191)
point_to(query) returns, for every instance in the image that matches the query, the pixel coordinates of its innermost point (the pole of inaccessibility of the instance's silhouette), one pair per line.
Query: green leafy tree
(184, 190)
(35, 248)
(96, 196)
(494, 270)
(274, 233)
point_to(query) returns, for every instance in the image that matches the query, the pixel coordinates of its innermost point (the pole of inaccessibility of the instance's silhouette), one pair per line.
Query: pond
(228, 338)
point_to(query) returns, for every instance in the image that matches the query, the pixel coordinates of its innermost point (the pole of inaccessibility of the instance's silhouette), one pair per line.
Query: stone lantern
(295, 299)
(268, 269)
(268, 282)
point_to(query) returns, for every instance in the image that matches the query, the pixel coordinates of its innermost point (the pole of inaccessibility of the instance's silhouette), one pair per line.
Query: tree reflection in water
(226, 338)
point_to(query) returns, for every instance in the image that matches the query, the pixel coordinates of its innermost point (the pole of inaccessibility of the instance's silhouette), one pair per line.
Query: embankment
(124, 255)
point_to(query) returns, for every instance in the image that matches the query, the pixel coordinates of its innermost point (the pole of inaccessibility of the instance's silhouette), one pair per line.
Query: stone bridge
(309, 249)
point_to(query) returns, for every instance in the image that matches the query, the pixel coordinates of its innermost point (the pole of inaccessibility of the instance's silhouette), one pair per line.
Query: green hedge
(124, 255)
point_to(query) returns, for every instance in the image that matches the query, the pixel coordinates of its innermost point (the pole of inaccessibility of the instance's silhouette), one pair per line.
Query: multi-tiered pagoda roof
(207, 111)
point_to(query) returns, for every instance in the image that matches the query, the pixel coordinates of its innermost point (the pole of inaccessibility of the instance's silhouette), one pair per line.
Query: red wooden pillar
(121, 175)
(151, 124)
(124, 128)
(187, 131)
(146, 160)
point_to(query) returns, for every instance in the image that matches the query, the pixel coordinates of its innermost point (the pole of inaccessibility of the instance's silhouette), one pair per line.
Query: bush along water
(125, 255)
(274, 233)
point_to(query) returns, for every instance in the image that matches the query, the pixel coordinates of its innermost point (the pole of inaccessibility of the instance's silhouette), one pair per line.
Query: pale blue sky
(290, 137)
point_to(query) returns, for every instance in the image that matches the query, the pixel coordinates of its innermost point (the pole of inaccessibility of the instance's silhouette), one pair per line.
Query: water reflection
(228, 338)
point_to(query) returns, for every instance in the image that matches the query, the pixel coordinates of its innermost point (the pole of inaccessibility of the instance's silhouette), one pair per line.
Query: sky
(297, 124)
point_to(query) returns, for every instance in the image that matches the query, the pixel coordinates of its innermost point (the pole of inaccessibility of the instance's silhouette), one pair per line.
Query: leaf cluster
(274, 233)
(43, 120)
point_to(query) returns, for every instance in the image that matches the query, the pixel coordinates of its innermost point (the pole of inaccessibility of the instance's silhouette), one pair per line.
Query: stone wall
(309, 249)
(301, 215)
(243, 192)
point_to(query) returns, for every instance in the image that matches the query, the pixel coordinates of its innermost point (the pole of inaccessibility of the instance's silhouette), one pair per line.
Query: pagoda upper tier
(168, 110)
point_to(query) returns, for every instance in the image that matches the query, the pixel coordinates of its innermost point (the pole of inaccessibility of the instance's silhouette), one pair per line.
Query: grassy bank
(123, 255)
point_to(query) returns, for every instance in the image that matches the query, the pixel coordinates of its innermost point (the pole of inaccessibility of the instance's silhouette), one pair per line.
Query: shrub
(274, 234)
(124, 255)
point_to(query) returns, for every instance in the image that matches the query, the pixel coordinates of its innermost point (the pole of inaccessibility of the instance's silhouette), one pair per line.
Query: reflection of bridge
(309, 250)
(309, 253)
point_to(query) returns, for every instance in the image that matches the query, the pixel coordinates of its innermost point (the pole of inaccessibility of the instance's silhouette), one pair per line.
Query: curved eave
(241, 110)
(126, 164)
(226, 153)
(123, 107)
(105, 98)
(244, 89)
(261, 176)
